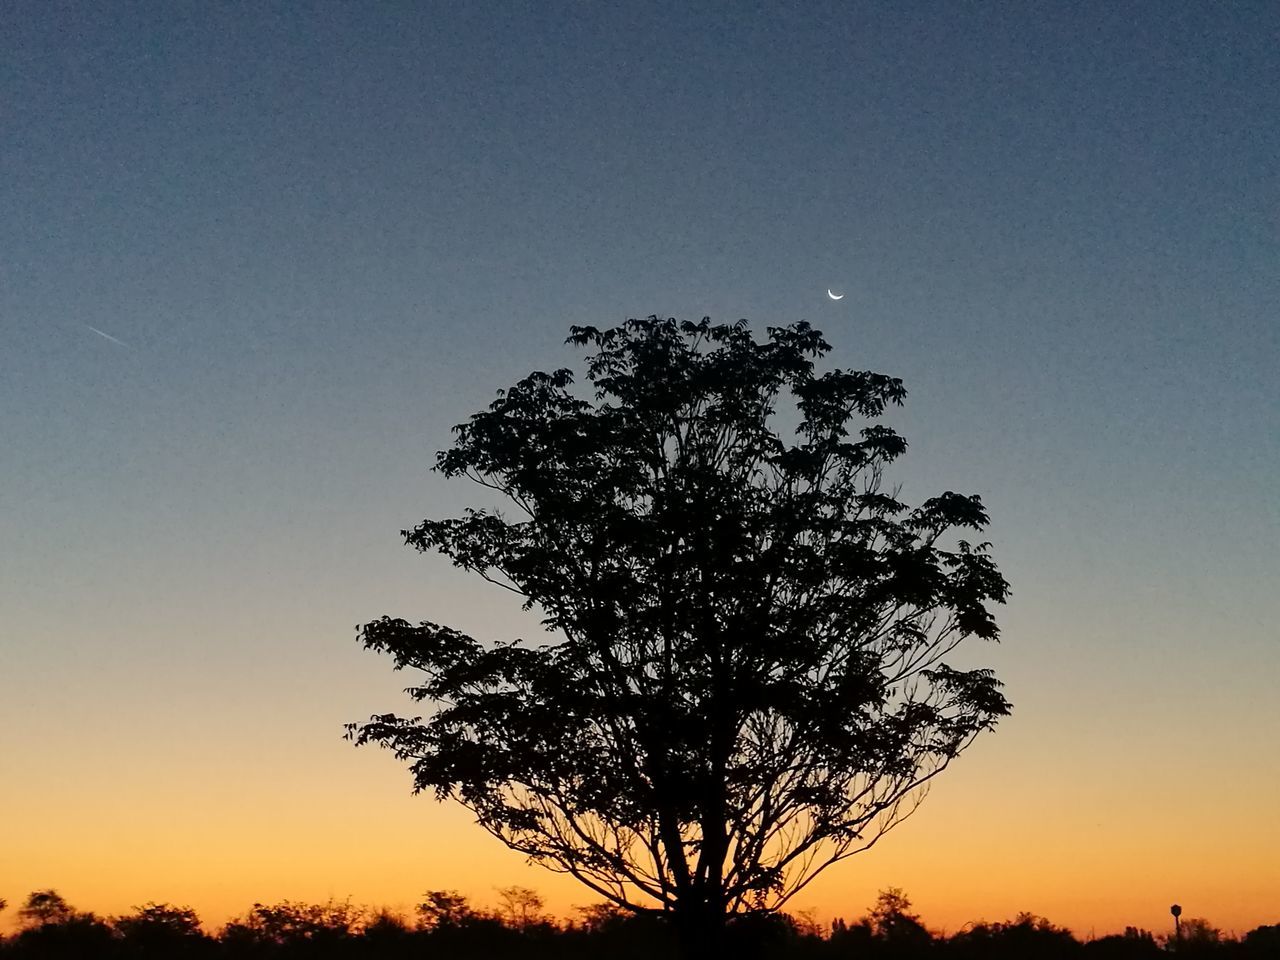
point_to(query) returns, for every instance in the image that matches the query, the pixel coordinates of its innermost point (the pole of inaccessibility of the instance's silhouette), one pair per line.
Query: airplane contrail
(107, 335)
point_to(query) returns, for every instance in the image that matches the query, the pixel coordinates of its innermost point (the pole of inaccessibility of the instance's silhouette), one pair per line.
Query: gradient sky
(325, 233)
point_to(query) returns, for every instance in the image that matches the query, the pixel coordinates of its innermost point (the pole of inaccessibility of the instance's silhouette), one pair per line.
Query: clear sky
(324, 233)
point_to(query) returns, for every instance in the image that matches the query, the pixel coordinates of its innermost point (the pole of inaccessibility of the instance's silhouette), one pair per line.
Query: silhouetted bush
(450, 928)
(161, 930)
(45, 908)
(1262, 942)
(1133, 943)
(1025, 936)
(76, 937)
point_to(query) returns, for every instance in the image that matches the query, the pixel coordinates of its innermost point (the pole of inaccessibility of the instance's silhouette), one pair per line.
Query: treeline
(446, 925)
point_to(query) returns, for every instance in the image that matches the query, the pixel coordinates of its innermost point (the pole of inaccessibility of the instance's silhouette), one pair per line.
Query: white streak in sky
(108, 336)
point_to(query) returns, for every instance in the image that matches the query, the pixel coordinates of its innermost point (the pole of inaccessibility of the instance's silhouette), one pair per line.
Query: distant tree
(852, 939)
(159, 917)
(52, 928)
(387, 920)
(45, 907)
(1027, 935)
(806, 924)
(600, 916)
(520, 907)
(287, 922)
(1133, 943)
(747, 681)
(1198, 935)
(443, 908)
(161, 930)
(891, 917)
(389, 935)
(1262, 941)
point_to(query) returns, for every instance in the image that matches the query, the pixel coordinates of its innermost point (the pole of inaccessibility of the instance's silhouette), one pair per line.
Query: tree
(443, 908)
(746, 679)
(386, 927)
(44, 907)
(891, 919)
(288, 922)
(1196, 935)
(1027, 935)
(1133, 943)
(51, 927)
(162, 930)
(161, 920)
(520, 907)
(1263, 941)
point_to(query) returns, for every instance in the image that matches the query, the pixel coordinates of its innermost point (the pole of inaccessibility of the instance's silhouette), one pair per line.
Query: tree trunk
(700, 930)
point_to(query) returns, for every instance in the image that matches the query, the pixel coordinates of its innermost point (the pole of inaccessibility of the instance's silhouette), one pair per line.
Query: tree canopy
(746, 676)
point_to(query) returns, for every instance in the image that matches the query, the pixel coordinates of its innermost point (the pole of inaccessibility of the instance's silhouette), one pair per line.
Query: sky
(314, 236)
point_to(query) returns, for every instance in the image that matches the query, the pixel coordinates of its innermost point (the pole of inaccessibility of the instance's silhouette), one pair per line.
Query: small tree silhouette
(1134, 944)
(1197, 935)
(891, 917)
(1027, 935)
(520, 907)
(52, 928)
(1263, 941)
(288, 922)
(159, 918)
(443, 908)
(161, 930)
(44, 907)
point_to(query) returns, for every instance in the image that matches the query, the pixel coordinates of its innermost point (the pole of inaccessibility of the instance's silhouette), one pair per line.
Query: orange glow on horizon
(967, 855)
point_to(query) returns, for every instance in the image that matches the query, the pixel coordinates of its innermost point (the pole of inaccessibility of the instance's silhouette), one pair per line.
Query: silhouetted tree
(162, 918)
(162, 930)
(1262, 941)
(747, 681)
(1198, 936)
(290, 924)
(892, 921)
(600, 916)
(851, 939)
(521, 908)
(1133, 943)
(1025, 936)
(387, 936)
(44, 907)
(53, 929)
(443, 908)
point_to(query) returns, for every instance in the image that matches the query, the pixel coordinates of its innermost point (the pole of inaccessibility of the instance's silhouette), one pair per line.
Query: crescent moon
(834, 296)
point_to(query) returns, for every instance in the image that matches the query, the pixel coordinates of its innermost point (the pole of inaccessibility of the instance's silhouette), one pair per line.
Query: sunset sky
(316, 236)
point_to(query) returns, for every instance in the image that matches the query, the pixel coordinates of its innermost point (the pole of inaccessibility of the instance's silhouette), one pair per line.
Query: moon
(834, 296)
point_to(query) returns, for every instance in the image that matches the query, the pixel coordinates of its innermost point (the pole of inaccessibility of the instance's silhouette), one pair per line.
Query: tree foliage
(746, 680)
(159, 920)
(303, 931)
(44, 907)
(443, 908)
(521, 907)
(289, 922)
(162, 930)
(891, 919)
